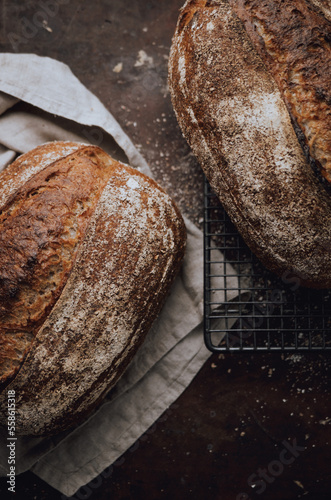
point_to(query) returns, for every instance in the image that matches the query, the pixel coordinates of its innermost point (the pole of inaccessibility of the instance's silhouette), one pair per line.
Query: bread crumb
(143, 58)
(118, 68)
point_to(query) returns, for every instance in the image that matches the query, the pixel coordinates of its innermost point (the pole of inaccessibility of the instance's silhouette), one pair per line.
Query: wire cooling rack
(248, 308)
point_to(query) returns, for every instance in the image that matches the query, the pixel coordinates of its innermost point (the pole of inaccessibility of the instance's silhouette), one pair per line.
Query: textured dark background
(230, 425)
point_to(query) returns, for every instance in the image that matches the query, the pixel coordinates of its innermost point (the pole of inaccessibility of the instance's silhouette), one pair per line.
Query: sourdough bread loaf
(89, 248)
(250, 82)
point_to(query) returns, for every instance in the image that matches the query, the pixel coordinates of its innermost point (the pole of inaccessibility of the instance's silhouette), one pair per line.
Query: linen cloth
(40, 101)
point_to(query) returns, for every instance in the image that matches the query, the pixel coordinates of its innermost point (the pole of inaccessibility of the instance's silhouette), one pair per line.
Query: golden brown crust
(233, 115)
(293, 40)
(28, 164)
(41, 226)
(124, 265)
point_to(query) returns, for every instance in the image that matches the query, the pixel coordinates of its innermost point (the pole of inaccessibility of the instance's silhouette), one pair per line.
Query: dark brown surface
(230, 425)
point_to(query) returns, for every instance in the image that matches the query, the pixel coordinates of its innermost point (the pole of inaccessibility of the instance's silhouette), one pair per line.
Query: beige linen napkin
(41, 100)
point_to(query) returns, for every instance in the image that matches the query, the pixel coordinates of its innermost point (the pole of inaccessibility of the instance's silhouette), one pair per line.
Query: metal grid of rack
(247, 307)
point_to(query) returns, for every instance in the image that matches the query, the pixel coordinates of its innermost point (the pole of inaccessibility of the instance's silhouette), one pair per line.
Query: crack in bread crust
(42, 225)
(293, 40)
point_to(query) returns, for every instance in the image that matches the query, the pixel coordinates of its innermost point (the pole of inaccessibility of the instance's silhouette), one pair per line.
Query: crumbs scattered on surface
(143, 59)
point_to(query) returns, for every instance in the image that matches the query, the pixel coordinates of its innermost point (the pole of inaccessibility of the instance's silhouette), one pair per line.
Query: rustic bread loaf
(251, 87)
(88, 250)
